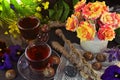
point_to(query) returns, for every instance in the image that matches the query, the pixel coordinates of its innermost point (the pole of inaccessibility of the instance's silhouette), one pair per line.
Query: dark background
(109, 2)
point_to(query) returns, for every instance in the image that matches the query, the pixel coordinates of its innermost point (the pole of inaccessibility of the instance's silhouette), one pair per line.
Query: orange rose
(79, 5)
(85, 31)
(106, 32)
(94, 10)
(72, 23)
(78, 15)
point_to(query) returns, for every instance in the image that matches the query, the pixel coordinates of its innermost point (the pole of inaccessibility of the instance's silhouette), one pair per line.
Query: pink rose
(94, 10)
(106, 32)
(112, 19)
(79, 5)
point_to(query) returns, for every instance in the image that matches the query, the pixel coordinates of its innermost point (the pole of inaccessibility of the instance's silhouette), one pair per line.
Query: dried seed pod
(100, 57)
(54, 60)
(97, 65)
(10, 74)
(88, 56)
(49, 72)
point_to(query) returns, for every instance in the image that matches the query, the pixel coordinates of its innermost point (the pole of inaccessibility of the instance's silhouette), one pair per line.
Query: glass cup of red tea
(37, 56)
(29, 27)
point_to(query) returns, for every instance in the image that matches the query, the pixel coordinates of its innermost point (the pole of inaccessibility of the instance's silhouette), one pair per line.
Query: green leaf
(51, 13)
(59, 11)
(92, 0)
(75, 1)
(18, 8)
(5, 6)
(6, 10)
(16, 5)
(0, 1)
(25, 9)
(1, 24)
(117, 31)
(1, 7)
(66, 11)
(56, 12)
(30, 2)
(32, 5)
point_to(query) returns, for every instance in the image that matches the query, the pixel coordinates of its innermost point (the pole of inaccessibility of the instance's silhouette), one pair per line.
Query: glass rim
(50, 52)
(37, 25)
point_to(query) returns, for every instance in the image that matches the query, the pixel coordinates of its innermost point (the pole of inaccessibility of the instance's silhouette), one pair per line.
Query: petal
(13, 53)
(109, 72)
(2, 67)
(7, 63)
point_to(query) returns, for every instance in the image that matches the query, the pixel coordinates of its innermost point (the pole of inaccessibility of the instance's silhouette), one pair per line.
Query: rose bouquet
(93, 19)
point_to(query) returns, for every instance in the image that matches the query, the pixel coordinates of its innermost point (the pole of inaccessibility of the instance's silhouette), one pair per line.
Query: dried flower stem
(53, 24)
(62, 50)
(82, 64)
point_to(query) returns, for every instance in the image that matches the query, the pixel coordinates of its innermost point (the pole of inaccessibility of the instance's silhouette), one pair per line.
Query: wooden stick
(62, 50)
(79, 54)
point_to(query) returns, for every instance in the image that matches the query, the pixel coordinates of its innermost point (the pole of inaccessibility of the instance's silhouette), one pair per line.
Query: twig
(53, 24)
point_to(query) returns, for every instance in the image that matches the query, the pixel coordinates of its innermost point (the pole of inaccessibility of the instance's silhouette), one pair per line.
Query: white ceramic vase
(94, 46)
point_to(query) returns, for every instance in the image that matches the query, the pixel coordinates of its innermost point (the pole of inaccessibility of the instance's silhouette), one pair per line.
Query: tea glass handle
(43, 35)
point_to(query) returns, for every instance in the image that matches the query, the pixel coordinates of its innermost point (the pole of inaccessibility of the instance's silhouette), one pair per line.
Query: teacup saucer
(27, 73)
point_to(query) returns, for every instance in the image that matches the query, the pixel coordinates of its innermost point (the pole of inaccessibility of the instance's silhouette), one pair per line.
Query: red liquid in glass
(38, 56)
(29, 27)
